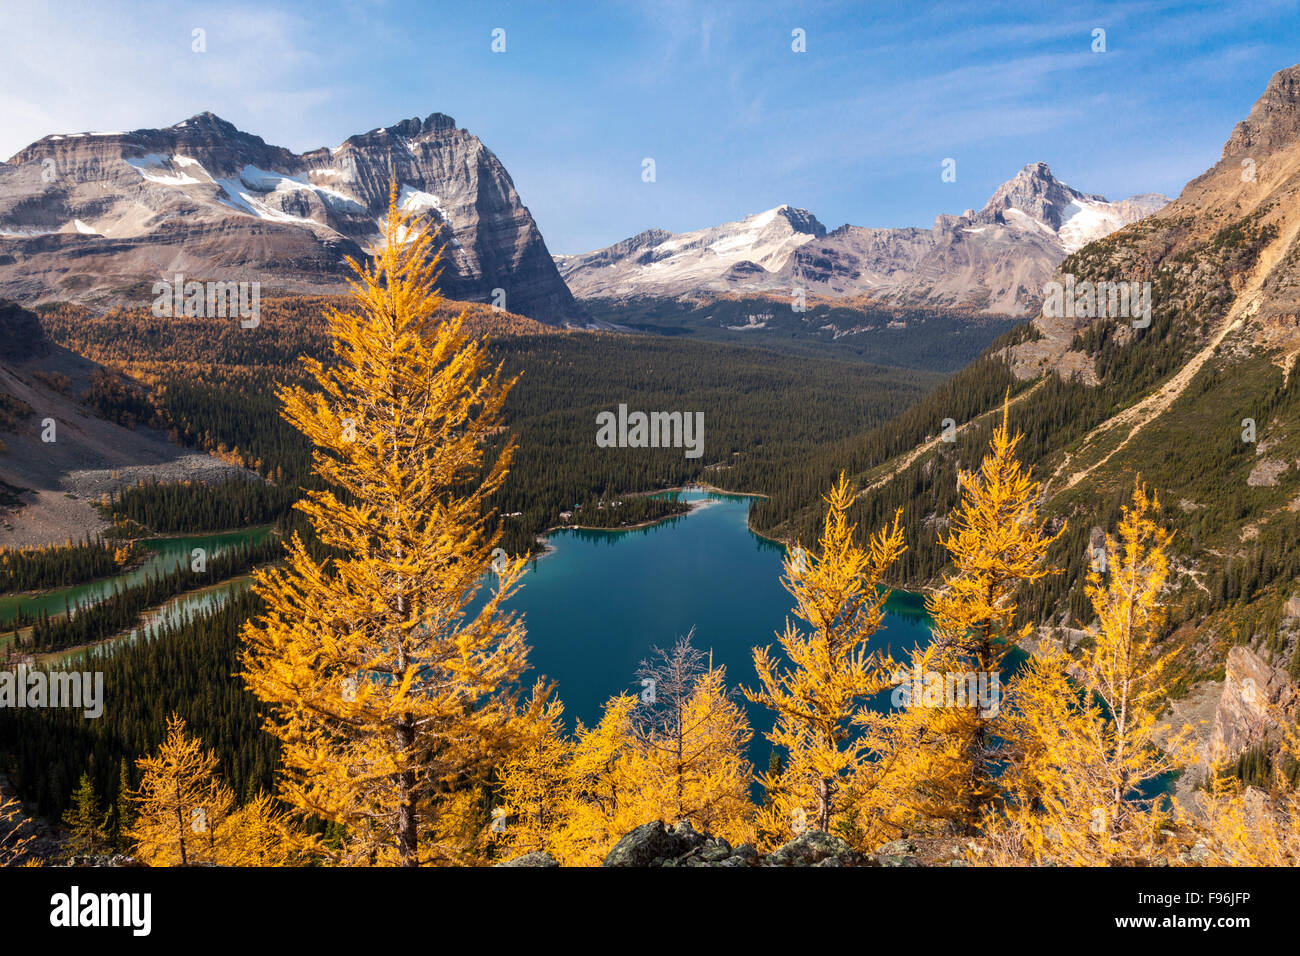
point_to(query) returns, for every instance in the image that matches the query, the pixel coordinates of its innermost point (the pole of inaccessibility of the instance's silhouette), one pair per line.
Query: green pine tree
(87, 824)
(123, 816)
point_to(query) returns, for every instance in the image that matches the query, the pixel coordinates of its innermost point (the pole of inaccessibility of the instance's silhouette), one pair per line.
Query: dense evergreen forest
(177, 507)
(95, 621)
(34, 569)
(185, 667)
(775, 423)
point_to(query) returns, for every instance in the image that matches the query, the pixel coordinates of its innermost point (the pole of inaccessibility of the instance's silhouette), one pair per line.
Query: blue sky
(855, 129)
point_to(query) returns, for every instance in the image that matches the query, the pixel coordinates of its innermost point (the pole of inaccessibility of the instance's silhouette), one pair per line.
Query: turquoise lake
(596, 604)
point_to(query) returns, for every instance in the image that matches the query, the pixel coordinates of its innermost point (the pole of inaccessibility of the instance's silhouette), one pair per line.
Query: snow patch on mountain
(1088, 221)
(995, 259)
(161, 169)
(754, 247)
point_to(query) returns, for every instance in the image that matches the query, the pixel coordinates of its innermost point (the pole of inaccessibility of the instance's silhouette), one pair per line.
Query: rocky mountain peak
(414, 127)
(1035, 192)
(997, 258)
(100, 212)
(801, 220)
(1274, 120)
(208, 121)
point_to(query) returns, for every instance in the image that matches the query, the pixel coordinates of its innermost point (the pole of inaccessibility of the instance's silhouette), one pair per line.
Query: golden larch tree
(693, 735)
(391, 699)
(602, 787)
(181, 805)
(262, 834)
(820, 694)
(534, 785)
(1089, 730)
(952, 749)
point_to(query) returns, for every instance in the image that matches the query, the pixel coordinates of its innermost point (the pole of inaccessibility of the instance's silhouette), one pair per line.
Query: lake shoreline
(548, 548)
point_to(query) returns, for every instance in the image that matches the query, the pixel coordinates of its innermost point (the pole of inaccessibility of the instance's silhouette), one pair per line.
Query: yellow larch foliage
(181, 806)
(534, 786)
(602, 787)
(950, 750)
(16, 835)
(676, 756)
(695, 763)
(1090, 732)
(824, 689)
(261, 834)
(392, 702)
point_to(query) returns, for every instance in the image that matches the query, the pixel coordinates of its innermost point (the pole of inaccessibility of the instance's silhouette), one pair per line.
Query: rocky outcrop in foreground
(654, 844)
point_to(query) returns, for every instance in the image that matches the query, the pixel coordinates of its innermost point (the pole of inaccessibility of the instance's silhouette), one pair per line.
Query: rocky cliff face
(1256, 696)
(101, 216)
(995, 260)
(1274, 121)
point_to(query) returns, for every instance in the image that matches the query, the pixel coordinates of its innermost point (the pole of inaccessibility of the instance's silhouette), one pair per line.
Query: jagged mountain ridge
(99, 216)
(994, 260)
(1258, 178)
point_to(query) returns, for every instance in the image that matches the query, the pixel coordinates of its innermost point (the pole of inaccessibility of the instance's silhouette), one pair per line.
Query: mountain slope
(1201, 402)
(101, 216)
(56, 456)
(994, 260)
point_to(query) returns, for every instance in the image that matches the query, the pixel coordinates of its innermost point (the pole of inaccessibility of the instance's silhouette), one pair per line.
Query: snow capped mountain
(1034, 199)
(995, 260)
(95, 215)
(656, 262)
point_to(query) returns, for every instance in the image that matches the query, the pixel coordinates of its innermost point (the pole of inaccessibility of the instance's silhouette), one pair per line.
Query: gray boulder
(535, 858)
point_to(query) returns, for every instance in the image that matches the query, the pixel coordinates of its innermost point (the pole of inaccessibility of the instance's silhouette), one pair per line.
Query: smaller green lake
(165, 555)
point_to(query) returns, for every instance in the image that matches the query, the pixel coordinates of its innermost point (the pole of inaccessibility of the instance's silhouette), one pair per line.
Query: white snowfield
(1089, 221)
(767, 239)
(160, 169)
(263, 193)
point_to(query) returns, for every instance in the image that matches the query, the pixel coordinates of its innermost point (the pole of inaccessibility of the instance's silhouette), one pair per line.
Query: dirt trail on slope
(1158, 402)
